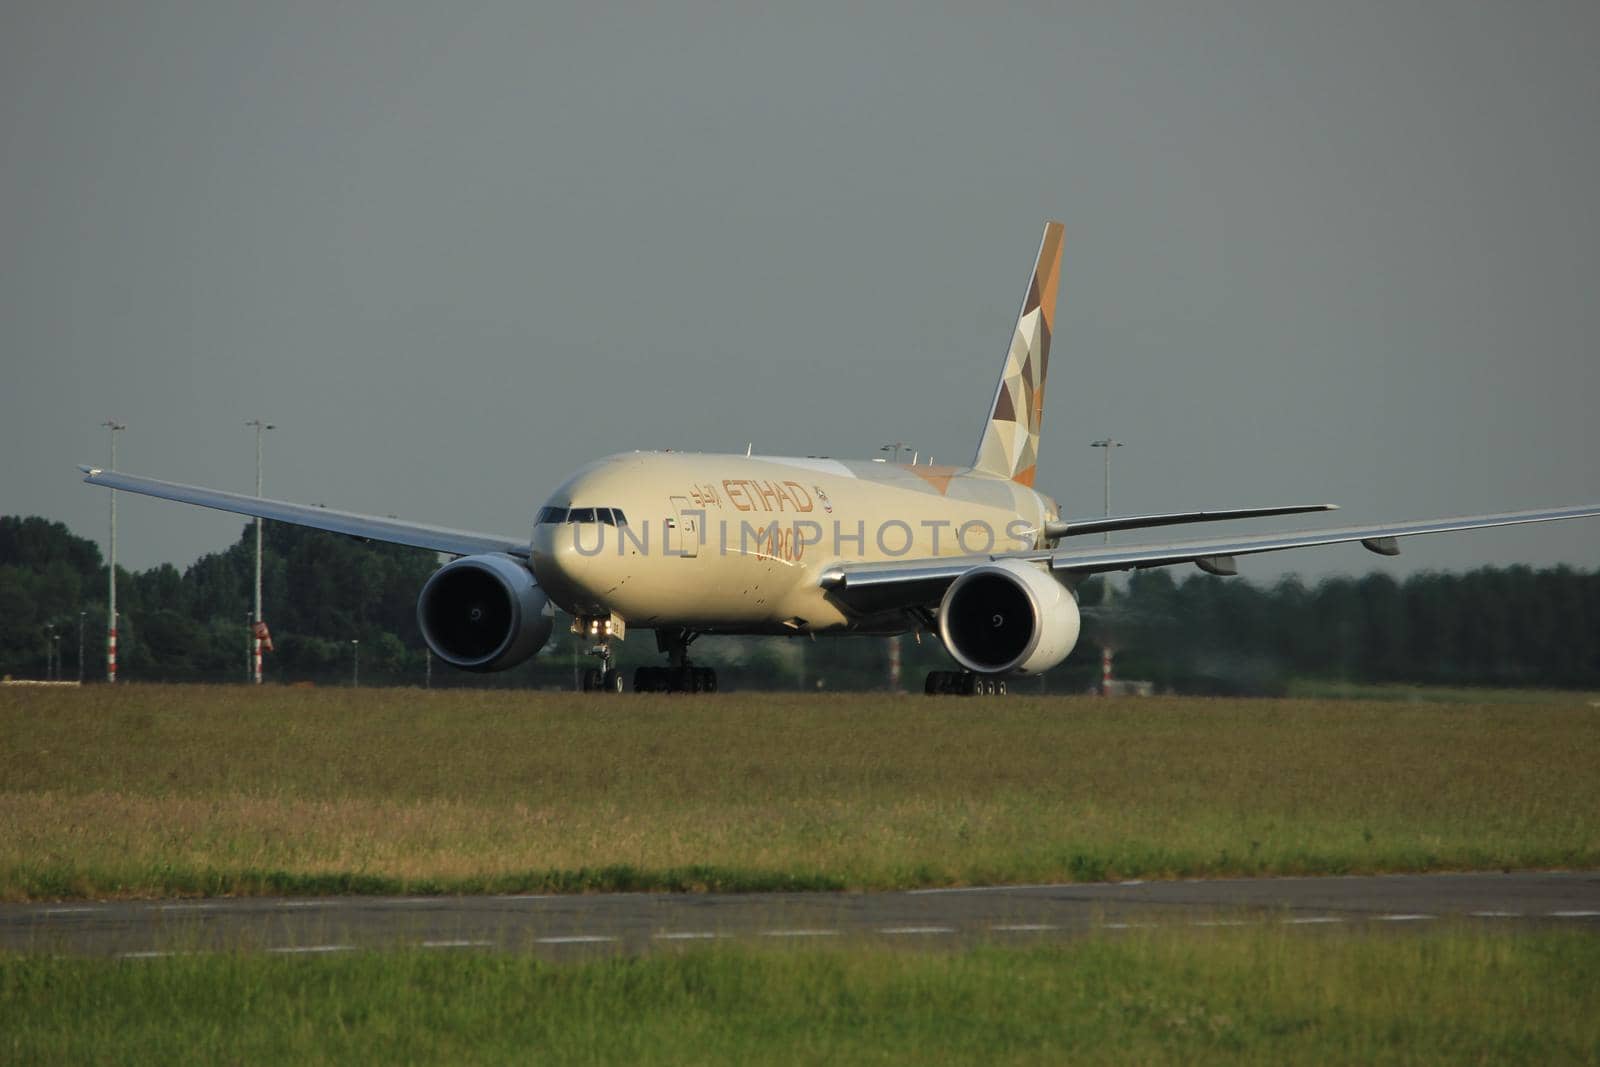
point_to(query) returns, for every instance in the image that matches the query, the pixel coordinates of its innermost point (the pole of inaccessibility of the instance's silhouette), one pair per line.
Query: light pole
(255, 636)
(897, 447)
(1108, 444)
(82, 615)
(355, 661)
(894, 642)
(49, 652)
(115, 428)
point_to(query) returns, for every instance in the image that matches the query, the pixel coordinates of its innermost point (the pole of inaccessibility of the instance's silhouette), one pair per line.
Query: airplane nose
(554, 554)
(565, 571)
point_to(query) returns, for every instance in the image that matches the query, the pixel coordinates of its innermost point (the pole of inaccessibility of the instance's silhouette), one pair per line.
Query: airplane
(687, 544)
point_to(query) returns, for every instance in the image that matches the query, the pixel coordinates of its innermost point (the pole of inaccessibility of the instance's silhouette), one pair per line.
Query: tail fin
(1010, 444)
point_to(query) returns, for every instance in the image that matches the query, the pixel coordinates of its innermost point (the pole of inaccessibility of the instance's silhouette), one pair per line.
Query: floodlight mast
(255, 634)
(1108, 444)
(894, 642)
(1106, 655)
(115, 428)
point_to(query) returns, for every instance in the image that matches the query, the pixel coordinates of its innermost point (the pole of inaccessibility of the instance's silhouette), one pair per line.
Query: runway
(564, 926)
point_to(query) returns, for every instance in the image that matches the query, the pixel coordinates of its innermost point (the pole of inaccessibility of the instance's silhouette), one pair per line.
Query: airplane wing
(1079, 527)
(366, 527)
(884, 586)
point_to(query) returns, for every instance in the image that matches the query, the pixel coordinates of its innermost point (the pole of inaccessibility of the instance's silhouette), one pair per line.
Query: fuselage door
(684, 537)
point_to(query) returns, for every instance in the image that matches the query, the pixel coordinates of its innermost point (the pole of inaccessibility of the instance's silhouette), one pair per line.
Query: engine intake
(484, 613)
(1008, 617)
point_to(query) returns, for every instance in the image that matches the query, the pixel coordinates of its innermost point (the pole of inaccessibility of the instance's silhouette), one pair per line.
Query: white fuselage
(735, 544)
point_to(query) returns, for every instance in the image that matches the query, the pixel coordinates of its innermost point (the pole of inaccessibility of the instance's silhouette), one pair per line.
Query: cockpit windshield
(554, 516)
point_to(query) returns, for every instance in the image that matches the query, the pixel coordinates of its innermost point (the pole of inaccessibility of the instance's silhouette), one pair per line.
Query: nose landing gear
(604, 678)
(963, 683)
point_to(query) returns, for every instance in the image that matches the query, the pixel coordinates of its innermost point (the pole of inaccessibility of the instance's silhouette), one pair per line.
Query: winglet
(1010, 443)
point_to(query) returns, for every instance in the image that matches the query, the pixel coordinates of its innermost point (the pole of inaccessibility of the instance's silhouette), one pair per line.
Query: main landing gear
(674, 680)
(963, 683)
(680, 675)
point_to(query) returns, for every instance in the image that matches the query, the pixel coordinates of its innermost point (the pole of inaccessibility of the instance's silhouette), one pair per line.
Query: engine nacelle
(484, 613)
(1008, 616)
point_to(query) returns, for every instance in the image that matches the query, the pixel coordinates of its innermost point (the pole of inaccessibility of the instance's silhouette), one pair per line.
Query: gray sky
(1341, 251)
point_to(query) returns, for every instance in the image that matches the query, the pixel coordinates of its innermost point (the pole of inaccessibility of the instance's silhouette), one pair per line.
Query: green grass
(227, 790)
(1456, 995)
(1313, 689)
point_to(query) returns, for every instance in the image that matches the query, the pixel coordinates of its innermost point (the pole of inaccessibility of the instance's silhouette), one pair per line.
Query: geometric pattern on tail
(1010, 443)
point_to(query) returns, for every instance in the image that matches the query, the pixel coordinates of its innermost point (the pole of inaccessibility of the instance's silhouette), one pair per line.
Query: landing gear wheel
(962, 683)
(591, 679)
(611, 681)
(680, 675)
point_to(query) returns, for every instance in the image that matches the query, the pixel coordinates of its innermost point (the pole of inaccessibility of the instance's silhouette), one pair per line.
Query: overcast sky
(1344, 252)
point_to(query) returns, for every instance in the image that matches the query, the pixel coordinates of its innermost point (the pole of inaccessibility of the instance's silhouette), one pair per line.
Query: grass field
(1223, 996)
(1400, 692)
(151, 790)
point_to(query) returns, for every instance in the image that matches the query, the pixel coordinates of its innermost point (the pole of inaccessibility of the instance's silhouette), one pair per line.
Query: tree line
(336, 605)
(1493, 626)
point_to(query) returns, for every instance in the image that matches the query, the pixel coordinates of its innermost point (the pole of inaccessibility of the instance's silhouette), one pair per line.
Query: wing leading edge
(1079, 527)
(912, 583)
(367, 527)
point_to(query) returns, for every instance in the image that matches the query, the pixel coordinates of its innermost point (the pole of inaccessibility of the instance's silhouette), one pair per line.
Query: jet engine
(484, 613)
(1008, 616)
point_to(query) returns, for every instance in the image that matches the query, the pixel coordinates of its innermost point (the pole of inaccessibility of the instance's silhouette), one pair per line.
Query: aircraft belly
(710, 591)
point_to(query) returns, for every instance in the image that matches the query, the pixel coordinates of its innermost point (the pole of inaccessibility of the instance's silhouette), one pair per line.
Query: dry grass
(148, 790)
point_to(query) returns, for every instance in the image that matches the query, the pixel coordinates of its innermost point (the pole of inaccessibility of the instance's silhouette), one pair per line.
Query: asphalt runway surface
(561, 926)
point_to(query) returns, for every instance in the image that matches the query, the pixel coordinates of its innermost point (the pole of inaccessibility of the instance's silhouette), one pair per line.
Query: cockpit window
(609, 516)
